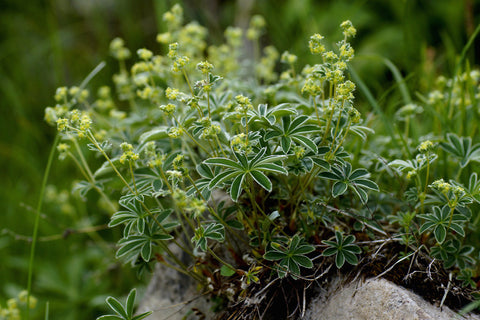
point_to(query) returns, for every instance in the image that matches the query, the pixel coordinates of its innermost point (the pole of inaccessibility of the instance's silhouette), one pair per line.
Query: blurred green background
(45, 44)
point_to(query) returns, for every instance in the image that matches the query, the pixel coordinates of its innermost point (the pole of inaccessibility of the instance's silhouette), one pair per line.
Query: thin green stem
(133, 176)
(331, 114)
(37, 221)
(91, 179)
(315, 106)
(220, 259)
(188, 81)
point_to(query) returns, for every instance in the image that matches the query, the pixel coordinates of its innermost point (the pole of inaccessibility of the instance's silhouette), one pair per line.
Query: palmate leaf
(124, 312)
(214, 231)
(236, 171)
(461, 148)
(296, 130)
(344, 249)
(292, 256)
(440, 221)
(134, 217)
(268, 116)
(344, 178)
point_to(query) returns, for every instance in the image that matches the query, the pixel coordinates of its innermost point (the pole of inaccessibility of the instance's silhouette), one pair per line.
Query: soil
(286, 298)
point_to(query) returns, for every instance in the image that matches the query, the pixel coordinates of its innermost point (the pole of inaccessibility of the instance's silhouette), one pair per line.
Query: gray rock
(172, 295)
(375, 299)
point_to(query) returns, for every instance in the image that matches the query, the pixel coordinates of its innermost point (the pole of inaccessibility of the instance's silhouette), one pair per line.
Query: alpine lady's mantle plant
(249, 172)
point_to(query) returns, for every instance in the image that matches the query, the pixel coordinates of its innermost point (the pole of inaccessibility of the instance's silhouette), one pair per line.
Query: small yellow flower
(425, 146)
(289, 58)
(62, 124)
(315, 45)
(172, 50)
(144, 54)
(348, 29)
(164, 38)
(205, 67)
(61, 94)
(175, 132)
(168, 109)
(172, 94)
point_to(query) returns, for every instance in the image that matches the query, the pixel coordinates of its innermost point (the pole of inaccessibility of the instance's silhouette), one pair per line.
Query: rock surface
(174, 296)
(375, 299)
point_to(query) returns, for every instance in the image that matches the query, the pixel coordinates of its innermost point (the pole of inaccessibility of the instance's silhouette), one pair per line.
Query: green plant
(190, 132)
(343, 249)
(124, 312)
(292, 256)
(264, 168)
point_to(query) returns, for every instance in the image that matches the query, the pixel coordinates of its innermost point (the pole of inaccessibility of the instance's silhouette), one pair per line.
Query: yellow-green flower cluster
(441, 185)
(243, 103)
(445, 188)
(117, 114)
(299, 152)
(348, 29)
(104, 101)
(192, 37)
(345, 90)
(164, 38)
(175, 132)
(239, 143)
(192, 205)
(288, 58)
(411, 174)
(128, 153)
(196, 206)
(346, 52)
(315, 44)
(174, 17)
(12, 310)
(266, 68)
(150, 93)
(334, 75)
(63, 94)
(169, 109)
(435, 97)
(53, 114)
(180, 63)
(76, 121)
(255, 29)
(172, 93)
(172, 50)
(354, 115)
(425, 146)
(118, 49)
(179, 164)
(144, 54)
(80, 95)
(408, 110)
(225, 55)
(210, 130)
(205, 67)
(155, 159)
(233, 36)
(62, 149)
(174, 174)
(123, 85)
(312, 86)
